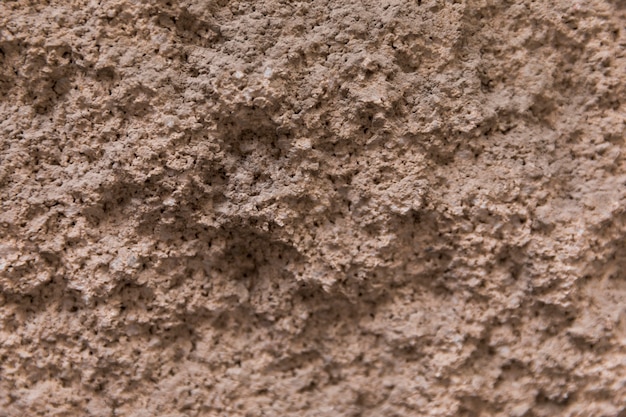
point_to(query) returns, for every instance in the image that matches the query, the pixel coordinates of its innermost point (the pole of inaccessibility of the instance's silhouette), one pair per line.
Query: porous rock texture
(312, 208)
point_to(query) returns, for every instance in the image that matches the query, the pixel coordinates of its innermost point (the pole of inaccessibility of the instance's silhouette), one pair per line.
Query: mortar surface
(324, 208)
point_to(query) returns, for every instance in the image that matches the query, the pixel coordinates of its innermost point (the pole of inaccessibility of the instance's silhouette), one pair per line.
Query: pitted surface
(327, 208)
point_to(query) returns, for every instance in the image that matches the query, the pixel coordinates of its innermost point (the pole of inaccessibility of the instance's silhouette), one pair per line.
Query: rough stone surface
(324, 208)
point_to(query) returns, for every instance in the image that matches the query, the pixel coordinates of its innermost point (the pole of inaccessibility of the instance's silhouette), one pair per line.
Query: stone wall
(324, 208)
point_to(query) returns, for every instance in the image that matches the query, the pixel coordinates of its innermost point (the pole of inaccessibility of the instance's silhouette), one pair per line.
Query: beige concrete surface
(312, 208)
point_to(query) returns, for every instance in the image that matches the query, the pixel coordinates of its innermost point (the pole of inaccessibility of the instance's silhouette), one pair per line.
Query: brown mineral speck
(324, 208)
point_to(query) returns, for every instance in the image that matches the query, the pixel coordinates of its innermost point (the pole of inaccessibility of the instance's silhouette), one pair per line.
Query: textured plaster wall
(312, 208)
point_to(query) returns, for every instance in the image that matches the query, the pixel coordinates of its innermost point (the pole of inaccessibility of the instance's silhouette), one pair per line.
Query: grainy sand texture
(368, 208)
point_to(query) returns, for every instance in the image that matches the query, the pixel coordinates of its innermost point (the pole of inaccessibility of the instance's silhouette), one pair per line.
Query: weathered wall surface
(323, 208)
